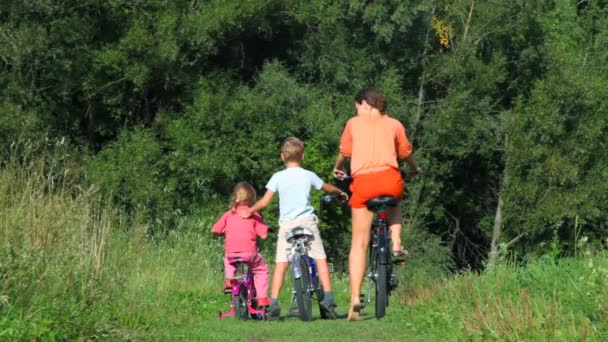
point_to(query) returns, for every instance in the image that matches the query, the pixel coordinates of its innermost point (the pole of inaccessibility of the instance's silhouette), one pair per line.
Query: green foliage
(560, 182)
(17, 125)
(179, 100)
(73, 267)
(130, 170)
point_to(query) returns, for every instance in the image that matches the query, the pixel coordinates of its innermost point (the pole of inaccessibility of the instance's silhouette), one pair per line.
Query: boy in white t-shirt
(293, 185)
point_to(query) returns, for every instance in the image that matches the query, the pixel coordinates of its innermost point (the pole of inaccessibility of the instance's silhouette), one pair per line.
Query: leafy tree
(557, 153)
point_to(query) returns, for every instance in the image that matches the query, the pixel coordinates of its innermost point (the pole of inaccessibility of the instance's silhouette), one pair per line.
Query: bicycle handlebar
(406, 174)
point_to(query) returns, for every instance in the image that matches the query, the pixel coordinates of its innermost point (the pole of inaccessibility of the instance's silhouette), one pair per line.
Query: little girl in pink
(240, 235)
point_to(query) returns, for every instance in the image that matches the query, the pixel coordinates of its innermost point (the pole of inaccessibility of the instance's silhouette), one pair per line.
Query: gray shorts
(316, 250)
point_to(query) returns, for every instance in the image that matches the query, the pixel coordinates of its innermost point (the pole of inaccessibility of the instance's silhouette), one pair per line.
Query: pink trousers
(256, 264)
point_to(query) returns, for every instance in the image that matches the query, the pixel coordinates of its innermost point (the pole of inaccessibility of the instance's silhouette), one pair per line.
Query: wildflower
(3, 300)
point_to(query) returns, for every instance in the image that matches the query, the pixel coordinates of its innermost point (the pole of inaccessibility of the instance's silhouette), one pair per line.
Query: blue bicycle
(306, 284)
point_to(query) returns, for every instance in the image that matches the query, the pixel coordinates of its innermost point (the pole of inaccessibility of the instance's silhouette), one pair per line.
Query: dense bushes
(177, 101)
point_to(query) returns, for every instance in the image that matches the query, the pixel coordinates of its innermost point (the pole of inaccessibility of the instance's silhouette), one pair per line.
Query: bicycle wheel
(381, 288)
(303, 294)
(240, 304)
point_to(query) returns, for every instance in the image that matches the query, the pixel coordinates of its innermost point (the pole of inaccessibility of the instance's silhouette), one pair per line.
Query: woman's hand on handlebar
(340, 174)
(411, 172)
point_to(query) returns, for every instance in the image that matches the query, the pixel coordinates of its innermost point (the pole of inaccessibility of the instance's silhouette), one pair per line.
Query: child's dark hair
(373, 98)
(243, 193)
(292, 149)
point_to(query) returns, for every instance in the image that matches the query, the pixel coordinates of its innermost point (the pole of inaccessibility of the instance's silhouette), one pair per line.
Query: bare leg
(277, 279)
(324, 276)
(362, 222)
(395, 220)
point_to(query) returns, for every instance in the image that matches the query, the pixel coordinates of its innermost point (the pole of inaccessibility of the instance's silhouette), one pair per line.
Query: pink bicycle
(244, 299)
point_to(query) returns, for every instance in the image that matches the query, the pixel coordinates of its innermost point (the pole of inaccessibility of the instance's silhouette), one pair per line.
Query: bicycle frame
(299, 239)
(298, 251)
(379, 245)
(243, 278)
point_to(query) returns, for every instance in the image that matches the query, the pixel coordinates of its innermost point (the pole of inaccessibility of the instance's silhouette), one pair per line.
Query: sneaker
(263, 302)
(227, 286)
(399, 256)
(274, 312)
(328, 310)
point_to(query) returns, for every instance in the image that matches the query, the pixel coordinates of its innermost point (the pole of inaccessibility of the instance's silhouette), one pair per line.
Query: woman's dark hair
(373, 97)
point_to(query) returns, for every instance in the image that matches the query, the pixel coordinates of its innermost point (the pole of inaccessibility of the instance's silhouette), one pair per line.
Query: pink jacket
(240, 232)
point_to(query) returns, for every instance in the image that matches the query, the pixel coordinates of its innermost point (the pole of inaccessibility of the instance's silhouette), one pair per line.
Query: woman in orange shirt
(374, 142)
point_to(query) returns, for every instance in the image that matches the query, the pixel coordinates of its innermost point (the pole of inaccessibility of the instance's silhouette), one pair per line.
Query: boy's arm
(334, 190)
(261, 229)
(259, 205)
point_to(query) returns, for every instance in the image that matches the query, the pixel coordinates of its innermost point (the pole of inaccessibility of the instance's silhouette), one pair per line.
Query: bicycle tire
(303, 295)
(381, 288)
(241, 312)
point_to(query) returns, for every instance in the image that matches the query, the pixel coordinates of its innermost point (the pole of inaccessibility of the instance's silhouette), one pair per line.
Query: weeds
(72, 266)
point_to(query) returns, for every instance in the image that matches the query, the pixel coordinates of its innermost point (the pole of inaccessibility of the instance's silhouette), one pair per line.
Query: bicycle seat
(375, 202)
(236, 261)
(299, 233)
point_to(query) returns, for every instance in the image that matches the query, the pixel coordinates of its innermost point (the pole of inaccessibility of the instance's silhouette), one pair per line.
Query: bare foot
(354, 313)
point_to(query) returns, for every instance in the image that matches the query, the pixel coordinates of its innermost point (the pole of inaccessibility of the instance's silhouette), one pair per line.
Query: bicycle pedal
(293, 312)
(393, 283)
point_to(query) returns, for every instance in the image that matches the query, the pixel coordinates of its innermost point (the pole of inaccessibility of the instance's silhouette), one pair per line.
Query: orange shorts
(369, 185)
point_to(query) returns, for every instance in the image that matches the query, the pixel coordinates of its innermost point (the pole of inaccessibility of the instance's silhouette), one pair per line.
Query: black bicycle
(381, 279)
(380, 267)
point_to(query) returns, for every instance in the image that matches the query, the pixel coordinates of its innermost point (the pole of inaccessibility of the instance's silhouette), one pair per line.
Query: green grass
(73, 267)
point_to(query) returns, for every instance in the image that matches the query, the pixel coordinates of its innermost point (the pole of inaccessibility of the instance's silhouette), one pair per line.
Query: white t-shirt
(293, 185)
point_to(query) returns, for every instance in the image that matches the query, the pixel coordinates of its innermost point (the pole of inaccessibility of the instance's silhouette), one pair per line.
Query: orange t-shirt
(374, 143)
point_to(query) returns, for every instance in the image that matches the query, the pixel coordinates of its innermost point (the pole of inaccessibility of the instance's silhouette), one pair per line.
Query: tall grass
(561, 300)
(73, 266)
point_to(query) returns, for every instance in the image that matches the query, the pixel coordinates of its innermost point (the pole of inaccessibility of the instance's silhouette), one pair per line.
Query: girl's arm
(220, 225)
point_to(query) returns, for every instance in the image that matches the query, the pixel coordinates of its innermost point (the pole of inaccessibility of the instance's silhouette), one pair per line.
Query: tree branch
(468, 24)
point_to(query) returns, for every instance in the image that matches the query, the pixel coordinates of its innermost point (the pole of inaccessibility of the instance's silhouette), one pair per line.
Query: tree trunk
(421, 93)
(496, 233)
(90, 128)
(467, 27)
(497, 229)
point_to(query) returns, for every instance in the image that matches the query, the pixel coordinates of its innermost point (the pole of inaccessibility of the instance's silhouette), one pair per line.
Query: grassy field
(72, 267)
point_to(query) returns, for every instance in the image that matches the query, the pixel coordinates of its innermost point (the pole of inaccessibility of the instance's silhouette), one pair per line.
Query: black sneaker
(274, 312)
(328, 310)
